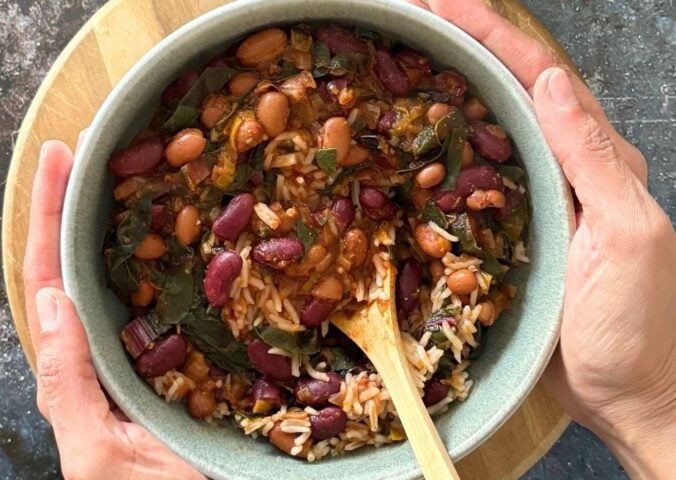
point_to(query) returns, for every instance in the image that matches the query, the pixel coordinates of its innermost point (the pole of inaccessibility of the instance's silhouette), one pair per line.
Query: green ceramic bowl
(520, 344)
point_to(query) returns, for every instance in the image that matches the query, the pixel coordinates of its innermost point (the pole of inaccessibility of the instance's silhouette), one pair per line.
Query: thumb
(589, 158)
(69, 394)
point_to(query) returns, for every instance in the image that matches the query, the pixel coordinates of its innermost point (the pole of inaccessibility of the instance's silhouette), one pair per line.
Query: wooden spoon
(375, 330)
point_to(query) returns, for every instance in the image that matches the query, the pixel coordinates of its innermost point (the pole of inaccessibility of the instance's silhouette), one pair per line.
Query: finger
(67, 385)
(42, 264)
(589, 158)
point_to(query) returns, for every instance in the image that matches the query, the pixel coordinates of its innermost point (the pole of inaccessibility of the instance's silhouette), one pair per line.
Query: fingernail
(47, 307)
(560, 90)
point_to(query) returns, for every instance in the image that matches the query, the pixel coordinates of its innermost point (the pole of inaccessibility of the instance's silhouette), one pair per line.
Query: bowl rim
(88, 146)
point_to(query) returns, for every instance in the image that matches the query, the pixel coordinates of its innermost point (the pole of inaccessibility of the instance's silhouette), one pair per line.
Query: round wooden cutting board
(83, 75)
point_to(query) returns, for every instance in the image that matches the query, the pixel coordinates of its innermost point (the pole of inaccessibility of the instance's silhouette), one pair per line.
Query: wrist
(641, 431)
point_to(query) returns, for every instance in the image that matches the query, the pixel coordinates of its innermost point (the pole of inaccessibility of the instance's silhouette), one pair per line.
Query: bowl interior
(519, 345)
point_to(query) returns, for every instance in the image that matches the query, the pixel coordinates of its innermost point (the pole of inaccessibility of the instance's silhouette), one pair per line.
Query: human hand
(615, 369)
(95, 440)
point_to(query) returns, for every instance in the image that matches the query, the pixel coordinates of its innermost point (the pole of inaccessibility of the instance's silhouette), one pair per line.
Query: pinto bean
(286, 441)
(430, 175)
(141, 158)
(482, 199)
(243, 83)
(221, 272)
(179, 87)
(477, 177)
(315, 312)
(336, 133)
(278, 252)
(329, 289)
(355, 156)
(356, 247)
(376, 204)
(214, 108)
(431, 242)
(467, 155)
(474, 109)
(316, 393)
(188, 225)
(152, 247)
(144, 295)
(436, 269)
(262, 48)
(328, 422)
(340, 41)
(272, 112)
(201, 403)
(248, 135)
(437, 111)
(277, 367)
(343, 210)
(409, 281)
(266, 395)
(435, 391)
(462, 282)
(390, 73)
(491, 141)
(186, 146)
(163, 355)
(235, 217)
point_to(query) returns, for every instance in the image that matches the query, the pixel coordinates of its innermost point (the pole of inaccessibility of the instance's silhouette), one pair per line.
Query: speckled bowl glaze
(519, 345)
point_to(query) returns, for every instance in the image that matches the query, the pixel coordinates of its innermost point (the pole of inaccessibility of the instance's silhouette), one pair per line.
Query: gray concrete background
(626, 49)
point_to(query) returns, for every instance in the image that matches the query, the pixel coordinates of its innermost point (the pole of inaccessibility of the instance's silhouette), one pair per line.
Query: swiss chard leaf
(306, 342)
(445, 312)
(456, 145)
(120, 271)
(321, 59)
(326, 159)
(188, 109)
(240, 183)
(425, 141)
(512, 172)
(432, 213)
(348, 63)
(343, 358)
(492, 266)
(135, 225)
(446, 366)
(206, 331)
(175, 301)
(305, 235)
(462, 229)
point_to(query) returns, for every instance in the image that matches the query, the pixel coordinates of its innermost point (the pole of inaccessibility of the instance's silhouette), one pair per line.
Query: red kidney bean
(376, 204)
(277, 367)
(408, 285)
(168, 352)
(513, 199)
(278, 252)
(339, 41)
(139, 159)
(316, 393)
(343, 210)
(390, 73)
(315, 312)
(235, 217)
(448, 201)
(222, 270)
(217, 62)
(328, 422)
(454, 84)
(159, 215)
(490, 141)
(385, 122)
(435, 391)
(265, 390)
(477, 177)
(257, 179)
(179, 87)
(414, 64)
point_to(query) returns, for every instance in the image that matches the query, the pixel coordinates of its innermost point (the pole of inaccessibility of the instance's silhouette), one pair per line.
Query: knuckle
(50, 368)
(596, 141)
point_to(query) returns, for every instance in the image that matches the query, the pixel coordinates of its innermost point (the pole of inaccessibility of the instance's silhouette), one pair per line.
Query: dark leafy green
(307, 342)
(135, 225)
(348, 63)
(462, 229)
(446, 366)
(326, 159)
(305, 235)
(491, 265)
(515, 224)
(425, 141)
(206, 331)
(187, 111)
(512, 172)
(432, 213)
(342, 358)
(453, 161)
(445, 312)
(321, 59)
(175, 301)
(240, 183)
(120, 271)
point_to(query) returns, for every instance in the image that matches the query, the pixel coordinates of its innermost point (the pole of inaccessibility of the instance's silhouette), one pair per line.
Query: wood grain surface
(80, 79)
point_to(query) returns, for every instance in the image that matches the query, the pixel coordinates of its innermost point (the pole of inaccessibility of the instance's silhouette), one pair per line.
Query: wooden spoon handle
(429, 450)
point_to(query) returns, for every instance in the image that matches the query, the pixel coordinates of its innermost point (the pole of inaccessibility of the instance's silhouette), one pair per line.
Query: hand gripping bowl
(520, 344)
